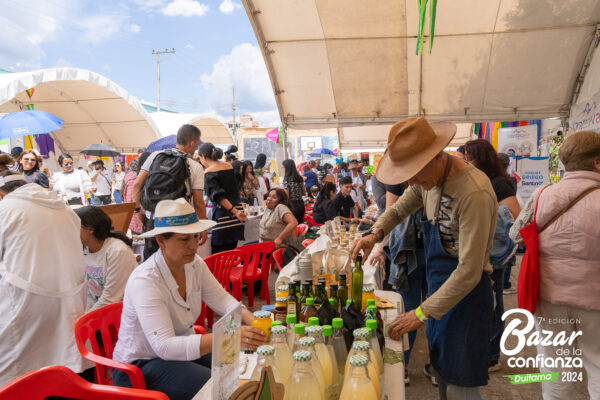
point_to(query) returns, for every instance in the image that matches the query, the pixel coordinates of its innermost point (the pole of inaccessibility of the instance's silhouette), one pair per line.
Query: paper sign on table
(225, 372)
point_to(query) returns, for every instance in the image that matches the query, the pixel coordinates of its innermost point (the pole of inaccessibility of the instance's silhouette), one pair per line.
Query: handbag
(529, 276)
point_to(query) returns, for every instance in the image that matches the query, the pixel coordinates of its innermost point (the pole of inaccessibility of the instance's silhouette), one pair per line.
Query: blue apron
(459, 343)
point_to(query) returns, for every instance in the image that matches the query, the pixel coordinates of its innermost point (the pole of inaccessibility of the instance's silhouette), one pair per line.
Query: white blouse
(156, 321)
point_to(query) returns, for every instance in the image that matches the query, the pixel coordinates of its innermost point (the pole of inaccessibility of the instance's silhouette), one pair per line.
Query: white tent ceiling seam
(94, 108)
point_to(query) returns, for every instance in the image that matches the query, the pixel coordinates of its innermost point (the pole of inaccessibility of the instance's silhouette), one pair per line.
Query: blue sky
(213, 39)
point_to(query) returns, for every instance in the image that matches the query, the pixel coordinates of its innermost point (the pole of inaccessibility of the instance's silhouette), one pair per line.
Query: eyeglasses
(67, 164)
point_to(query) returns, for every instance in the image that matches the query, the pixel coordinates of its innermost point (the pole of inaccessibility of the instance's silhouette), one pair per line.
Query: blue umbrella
(163, 143)
(30, 122)
(321, 151)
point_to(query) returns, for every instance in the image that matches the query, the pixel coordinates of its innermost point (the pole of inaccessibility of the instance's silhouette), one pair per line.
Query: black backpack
(166, 179)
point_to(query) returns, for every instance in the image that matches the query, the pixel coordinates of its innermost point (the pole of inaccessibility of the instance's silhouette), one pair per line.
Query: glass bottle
(357, 282)
(327, 362)
(339, 344)
(303, 384)
(358, 385)
(367, 314)
(297, 287)
(299, 330)
(372, 327)
(262, 321)
(313, 321)
(362, 348)
(338, 377)
(308, 344)
(280, 310)
(283, 354)
(318, 295)
(290, 319)
(304, 295)
(292, 301)
(368, 293)
(332, 301)
(310, 290)
(333, 294)
(342, 291)
(308, 311)
(265, 359)
(282, 291)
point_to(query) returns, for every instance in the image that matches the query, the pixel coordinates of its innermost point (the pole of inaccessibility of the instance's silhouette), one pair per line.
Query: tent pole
(586, 63)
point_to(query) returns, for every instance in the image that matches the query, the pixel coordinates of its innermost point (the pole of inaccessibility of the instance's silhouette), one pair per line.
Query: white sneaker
(428, 373)
(511, 290)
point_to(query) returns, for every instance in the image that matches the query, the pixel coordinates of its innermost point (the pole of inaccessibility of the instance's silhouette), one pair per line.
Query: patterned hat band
(177, 220)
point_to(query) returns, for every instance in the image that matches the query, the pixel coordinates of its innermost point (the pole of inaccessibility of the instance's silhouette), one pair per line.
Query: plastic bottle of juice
(362, 348)
(265, 359)
(308, 311)
(283, 354)
(337, 379)
(312, 321)
(299, 330)
(303, 384)
(358, 385)
(308, 344)
(372, 327)
(339, 344)
(327, 362)
(290, 320)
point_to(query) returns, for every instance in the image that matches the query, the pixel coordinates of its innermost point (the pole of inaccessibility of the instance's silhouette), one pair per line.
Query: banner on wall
(518, 141)
(531, 173)
(585, 116)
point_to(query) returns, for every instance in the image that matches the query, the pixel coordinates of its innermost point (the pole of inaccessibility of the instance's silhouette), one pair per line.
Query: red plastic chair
(107, 321)
(307, 242)
(60, 381)
(278, 258)
(256, 266)
(311, 221)
(301, 229)
(220, 265)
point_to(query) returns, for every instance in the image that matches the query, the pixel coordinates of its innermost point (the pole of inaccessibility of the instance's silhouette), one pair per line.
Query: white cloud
(245, 69)
(17, 52)
(61, 63)
(188, 46)
(229, 6)
(99, 28)
(135, 29)
(185, 8)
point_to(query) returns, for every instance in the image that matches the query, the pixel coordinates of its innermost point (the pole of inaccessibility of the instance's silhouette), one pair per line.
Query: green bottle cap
(312, 321)
(374, 308)
(332, 301)
(348, 302)
(275, 323)
(310, 301)
(370, 302)
(327, 330)
(299, 329)
(337, 323)
(372, 324)
(290, 319)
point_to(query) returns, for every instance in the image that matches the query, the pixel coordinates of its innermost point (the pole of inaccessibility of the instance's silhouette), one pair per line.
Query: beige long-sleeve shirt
(467, 221)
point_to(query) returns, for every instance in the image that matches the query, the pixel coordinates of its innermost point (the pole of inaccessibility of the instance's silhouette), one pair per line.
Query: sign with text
(531, 173)
(518, 141)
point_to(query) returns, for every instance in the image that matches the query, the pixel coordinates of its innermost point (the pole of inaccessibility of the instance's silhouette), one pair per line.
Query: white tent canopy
(348, 63)
(94, 109)
(211, 129)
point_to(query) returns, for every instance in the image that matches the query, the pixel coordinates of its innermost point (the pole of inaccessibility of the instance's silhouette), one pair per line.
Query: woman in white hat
(163, 299)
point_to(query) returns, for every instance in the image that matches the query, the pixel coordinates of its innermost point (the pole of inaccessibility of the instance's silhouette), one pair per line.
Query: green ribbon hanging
(422, 5)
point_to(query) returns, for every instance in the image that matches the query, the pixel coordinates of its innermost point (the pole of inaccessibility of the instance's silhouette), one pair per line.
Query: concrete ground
(498, 387)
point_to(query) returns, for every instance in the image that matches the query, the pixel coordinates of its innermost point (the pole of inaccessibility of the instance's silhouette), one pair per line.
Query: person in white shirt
(188, 139)
(71, 183)
(163, 299)
(102, 178)
(42, 279)
(108, 258)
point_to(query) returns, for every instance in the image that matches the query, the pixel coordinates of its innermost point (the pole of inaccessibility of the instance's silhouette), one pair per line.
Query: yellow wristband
(420, 314)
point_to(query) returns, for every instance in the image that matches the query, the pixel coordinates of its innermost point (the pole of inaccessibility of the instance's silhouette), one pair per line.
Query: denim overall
(459, 342)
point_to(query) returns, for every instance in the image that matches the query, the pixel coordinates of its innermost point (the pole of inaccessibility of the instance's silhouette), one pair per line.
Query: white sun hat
(177, 216)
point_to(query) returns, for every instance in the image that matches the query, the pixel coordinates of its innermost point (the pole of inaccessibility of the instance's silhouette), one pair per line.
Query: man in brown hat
(460, 209)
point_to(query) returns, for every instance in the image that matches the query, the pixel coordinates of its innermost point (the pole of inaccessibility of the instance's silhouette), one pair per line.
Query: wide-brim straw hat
(412, 144)
(177, 216)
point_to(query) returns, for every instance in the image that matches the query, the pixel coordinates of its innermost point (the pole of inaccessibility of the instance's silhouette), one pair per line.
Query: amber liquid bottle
(309, 310)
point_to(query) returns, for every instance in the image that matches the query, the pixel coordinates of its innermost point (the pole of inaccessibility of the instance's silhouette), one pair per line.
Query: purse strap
(575, 201)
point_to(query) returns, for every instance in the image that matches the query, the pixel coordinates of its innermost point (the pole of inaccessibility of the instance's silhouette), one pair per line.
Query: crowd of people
(447, 235)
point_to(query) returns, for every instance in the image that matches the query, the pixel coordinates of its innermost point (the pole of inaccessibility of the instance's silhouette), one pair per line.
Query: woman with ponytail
(108, 258)
(222, 189)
